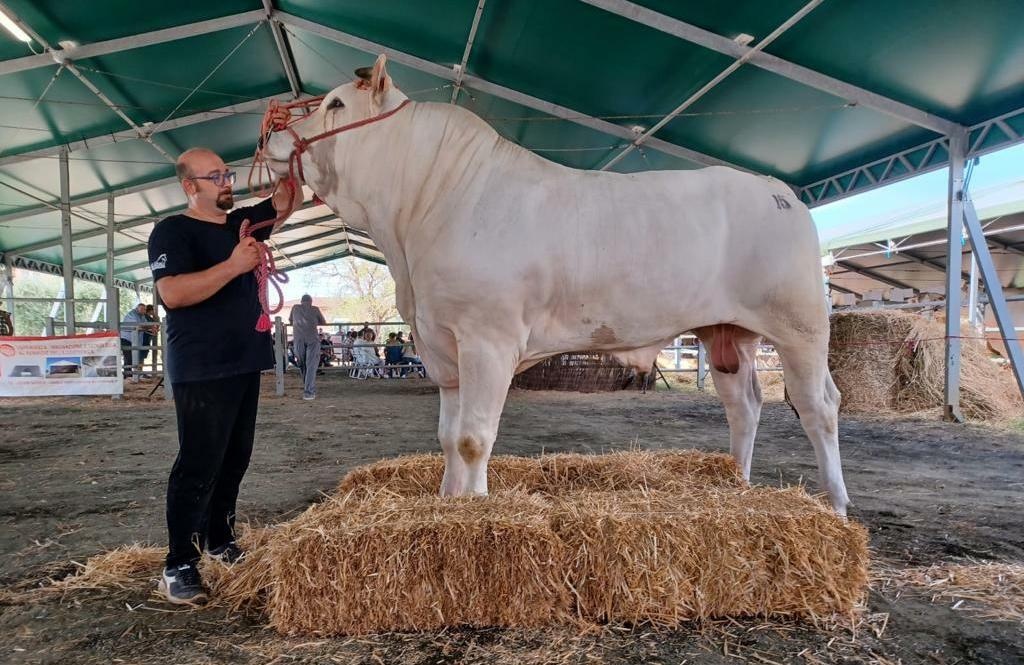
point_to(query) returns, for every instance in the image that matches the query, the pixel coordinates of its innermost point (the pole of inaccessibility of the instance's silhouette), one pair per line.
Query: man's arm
(320, 317)
(195, 287)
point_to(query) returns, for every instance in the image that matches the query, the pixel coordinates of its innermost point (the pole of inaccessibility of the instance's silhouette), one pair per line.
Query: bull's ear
(380, 81)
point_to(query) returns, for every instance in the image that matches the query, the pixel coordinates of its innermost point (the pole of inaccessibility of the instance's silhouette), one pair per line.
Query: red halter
(280, 117)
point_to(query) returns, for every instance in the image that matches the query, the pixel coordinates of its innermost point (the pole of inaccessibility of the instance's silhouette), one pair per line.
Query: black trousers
(216, 426)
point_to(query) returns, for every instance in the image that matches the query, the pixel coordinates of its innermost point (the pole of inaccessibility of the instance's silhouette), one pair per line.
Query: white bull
(502, 258)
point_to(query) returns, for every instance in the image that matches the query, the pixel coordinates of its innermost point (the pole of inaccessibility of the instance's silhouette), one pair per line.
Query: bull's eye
(336, 104)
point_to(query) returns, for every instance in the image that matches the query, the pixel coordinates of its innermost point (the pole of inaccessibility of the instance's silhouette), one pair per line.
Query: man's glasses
(219, 179)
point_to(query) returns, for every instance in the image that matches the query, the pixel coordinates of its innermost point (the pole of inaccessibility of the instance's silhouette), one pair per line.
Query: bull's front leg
(454, 480)
(484, 377)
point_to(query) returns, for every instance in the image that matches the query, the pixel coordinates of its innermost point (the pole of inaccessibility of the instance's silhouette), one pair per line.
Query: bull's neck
(432, 160)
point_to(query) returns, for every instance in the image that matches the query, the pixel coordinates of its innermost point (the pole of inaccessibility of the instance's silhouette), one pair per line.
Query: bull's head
(329, 164)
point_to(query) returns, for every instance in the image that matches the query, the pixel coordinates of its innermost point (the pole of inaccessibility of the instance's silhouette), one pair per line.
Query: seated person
(393, 351)
(364, 352)
(326, 350)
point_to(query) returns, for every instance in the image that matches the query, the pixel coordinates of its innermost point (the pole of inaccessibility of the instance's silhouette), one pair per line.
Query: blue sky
(994, 169)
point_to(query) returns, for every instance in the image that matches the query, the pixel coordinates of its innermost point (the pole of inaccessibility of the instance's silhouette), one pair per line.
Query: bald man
(203, 273)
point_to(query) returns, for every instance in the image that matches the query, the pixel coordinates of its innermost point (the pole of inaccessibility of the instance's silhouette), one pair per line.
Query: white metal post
(113, 296)
(48, 327)
(65, 241)
(701, 365)
(9, 283)
(972, 294)
(136, 363)
(678, 352)
(280, 357)
(954, 256)
(994, 289)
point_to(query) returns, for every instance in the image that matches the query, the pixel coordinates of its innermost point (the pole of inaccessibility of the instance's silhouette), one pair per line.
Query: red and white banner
(79, 365)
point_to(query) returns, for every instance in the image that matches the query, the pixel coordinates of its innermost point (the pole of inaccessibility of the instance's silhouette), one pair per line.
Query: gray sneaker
(308, 397)
(183, 585)
(229, 553)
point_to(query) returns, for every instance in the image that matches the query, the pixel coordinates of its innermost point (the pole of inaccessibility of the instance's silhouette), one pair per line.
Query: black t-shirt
(215, 338)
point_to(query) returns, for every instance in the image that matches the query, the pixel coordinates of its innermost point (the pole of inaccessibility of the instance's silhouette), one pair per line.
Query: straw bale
(895, 361)
(420, 475)
(712, 552)
(382, 563)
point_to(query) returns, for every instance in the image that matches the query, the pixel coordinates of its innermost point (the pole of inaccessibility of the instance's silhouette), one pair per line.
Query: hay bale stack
(896, 361)
(632, 537)
(665, 558)
(381, 563)
(863, 351)
(420, 475)
(577, 372)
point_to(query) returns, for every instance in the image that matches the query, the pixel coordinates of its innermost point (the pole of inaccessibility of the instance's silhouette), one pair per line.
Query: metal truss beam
(121, 226)
(86, 260)
(875, 275)
(51, 55)
(55, 269)
(776, 65)
(1013, 248)
(287, 61)
(86, 199)
(994, 289)
(130, 135)
(347, 242)
(843, 289)
(496, 90)
(70, 66)
(985, 137)
(713, 83)
(461, 71)
(325, 259)
(933, 264)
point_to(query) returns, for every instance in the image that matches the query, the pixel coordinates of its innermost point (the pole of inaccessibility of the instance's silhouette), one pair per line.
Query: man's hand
(245, 257)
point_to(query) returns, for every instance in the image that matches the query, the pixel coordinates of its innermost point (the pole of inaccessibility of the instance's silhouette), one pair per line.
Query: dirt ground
(83, 475)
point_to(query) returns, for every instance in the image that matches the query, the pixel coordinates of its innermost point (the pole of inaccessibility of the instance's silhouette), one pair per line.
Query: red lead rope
(279, 117)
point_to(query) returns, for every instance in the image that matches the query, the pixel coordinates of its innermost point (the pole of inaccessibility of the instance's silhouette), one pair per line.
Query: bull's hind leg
(740, 391)
(816, 398)
(484, 378)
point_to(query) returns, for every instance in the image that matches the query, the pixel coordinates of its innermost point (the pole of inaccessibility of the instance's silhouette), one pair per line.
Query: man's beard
(226, 201)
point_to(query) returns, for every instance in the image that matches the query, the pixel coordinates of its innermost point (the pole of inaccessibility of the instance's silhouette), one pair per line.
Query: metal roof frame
(774, 64)
(110, 46)
(70, 66)
(54, 269)
(985, 137)
(500, 91)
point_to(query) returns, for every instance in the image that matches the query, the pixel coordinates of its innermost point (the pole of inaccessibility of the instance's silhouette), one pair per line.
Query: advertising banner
(79, 365)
